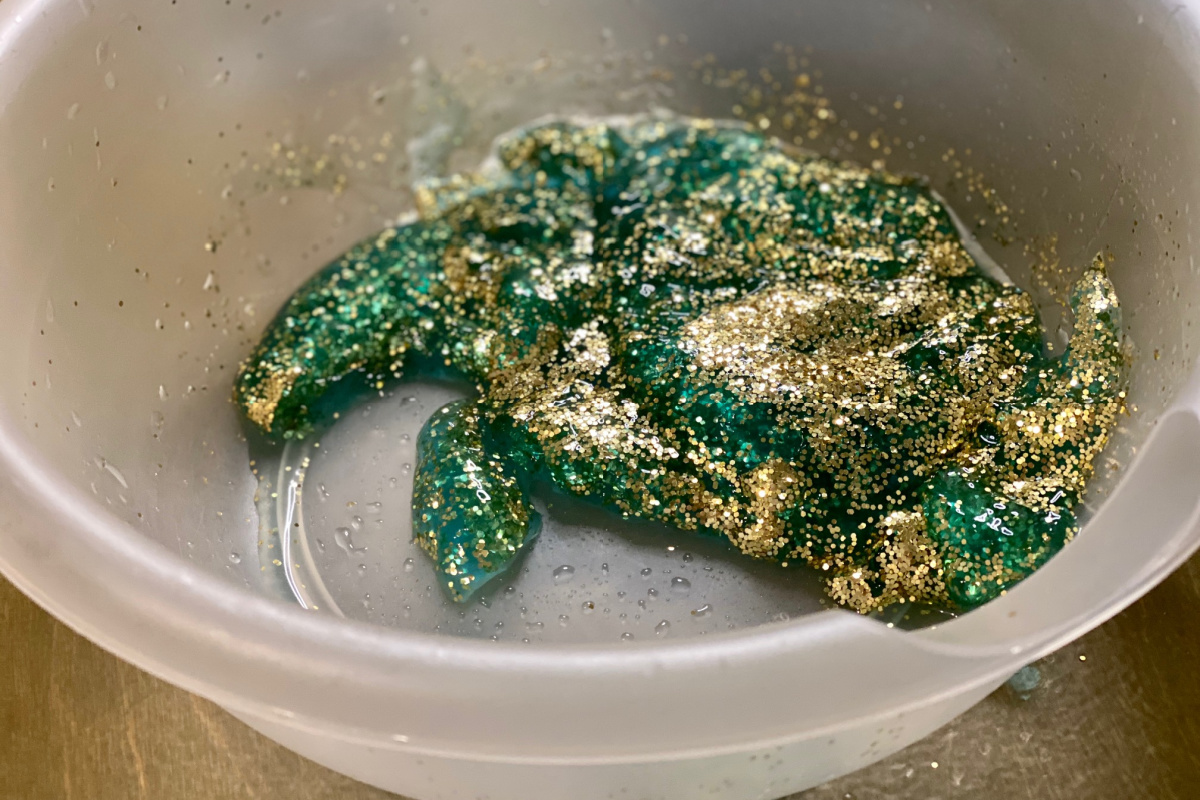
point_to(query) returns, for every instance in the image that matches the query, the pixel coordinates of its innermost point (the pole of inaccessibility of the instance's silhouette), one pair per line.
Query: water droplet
(626, 637)
(564, 573)
(681, 585)
(409, 565)
(563, 619)
(588, 606)
(110, 80)
(662, 628)
(116, 473)
(161, 102)
(322, 492)
(210, 282)
(404, 437)
(647, 572)
(375, 508)
(405, 469)
(157, 420)
(652, 593)
(75, 418)
(604, 569)
(702, 611)
(345, 541)
(321, 545)
(687, 558)
(49, 310)
(356, 522)
(234, 558)
(533, 627)
(162, 392)
(362, 569)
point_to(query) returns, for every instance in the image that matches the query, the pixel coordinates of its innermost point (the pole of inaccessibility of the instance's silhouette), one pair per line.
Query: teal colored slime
(691, 323)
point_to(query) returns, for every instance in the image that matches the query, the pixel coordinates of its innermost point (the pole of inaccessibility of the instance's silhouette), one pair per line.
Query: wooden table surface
(1115, 716)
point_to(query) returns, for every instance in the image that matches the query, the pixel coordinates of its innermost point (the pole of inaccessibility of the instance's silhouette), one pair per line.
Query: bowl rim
(244, 637)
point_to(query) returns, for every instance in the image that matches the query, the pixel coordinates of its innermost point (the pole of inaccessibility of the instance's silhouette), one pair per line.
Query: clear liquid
(345, 503)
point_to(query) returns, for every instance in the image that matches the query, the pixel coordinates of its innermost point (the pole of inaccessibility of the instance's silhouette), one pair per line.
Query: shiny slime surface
(691, 323)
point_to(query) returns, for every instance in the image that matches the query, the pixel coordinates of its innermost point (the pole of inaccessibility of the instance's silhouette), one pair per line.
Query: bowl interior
(163, 192)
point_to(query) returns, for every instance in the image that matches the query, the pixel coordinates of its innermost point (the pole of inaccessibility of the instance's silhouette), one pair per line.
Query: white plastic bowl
(127, 136)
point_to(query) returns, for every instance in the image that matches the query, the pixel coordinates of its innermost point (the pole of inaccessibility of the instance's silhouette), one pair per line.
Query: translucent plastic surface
(171, 172)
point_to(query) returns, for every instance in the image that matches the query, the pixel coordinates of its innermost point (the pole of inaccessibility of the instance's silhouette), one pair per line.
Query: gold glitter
(693, 323)
(260, 409)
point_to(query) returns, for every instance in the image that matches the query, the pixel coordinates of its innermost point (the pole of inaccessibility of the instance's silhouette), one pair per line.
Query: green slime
(692, 323)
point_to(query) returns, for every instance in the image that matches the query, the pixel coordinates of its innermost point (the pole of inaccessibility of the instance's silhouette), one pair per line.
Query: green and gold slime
(691, 323)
